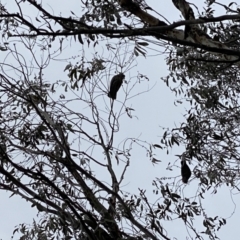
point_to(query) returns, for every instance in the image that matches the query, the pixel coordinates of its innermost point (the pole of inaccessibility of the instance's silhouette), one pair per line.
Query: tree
(52, 147)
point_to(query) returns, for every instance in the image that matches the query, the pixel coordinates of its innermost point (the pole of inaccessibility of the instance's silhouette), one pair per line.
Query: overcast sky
(153, 109)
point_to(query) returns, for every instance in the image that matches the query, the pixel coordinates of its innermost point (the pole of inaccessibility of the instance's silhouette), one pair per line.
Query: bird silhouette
(115, 84)
(185, 171)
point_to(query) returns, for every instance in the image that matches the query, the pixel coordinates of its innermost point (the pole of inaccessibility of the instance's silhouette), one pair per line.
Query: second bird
(185, 171)
(115, 84)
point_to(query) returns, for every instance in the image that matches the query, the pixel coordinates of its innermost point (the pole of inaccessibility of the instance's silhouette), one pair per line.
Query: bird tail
(113, 96)
(184, 180)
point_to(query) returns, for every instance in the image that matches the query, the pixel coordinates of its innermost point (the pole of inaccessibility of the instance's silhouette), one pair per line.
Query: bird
(115, 84)
(185, 171)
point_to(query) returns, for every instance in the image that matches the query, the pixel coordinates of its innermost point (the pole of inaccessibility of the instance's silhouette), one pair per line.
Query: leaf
(185, 80)
(141, 51)
(80, 38)
(165, 134)
(173, 140)
(37, 19)
(119, 22)
(174, 195)
(157, 146)
(67, 67)
(136, 53)
(154, 160)
(3, 49)
(143, 43)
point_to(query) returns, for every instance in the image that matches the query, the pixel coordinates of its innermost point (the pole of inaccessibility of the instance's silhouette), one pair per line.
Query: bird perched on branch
(185, 171)
(115, 84)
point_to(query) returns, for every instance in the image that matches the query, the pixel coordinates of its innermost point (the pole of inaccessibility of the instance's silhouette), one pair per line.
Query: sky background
(153, 109)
